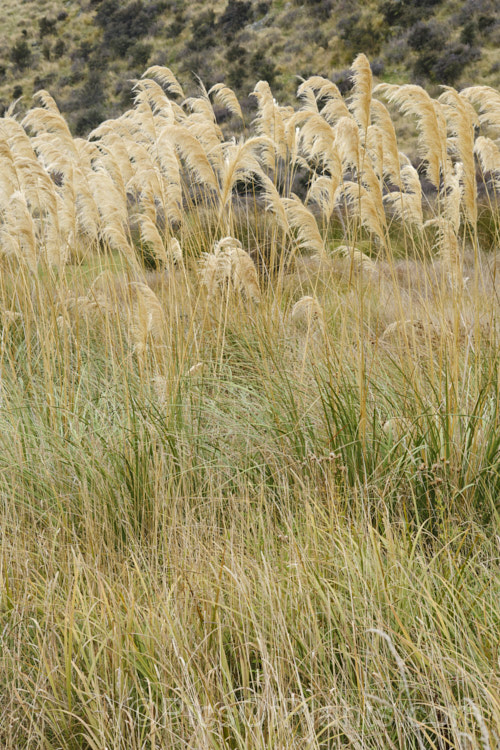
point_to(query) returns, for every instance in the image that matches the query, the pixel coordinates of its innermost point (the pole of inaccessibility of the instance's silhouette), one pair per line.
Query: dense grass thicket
(249, 423)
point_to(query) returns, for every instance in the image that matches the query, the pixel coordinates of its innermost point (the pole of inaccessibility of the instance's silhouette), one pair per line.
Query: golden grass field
(249, 423)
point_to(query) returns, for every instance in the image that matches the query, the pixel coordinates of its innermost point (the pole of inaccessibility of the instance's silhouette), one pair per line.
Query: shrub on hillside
(88, 102)
(262, 8)
(89, 119)
(262, 68)
(44, 82)
(482, 13)
(405, 13)
(236, 56)
(236, 75)
(424, 35)
(235, 16)
(235, 53)
(203, 29)
(343, 80)
(140, 53)
(20, 53)
(444, 65)
(469, 32)
(177, 26)
(360, 34)
(123, 25)
(82, 52)
(59, 48)
(454, 59)
(46, 25)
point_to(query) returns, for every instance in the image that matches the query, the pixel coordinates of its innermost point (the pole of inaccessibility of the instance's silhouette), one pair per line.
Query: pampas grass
(249, 419)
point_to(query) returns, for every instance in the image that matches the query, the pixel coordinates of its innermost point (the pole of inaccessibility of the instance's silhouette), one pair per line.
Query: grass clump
(249, 460)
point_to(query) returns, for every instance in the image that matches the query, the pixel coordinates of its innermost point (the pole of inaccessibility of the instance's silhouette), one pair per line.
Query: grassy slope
(276, 41)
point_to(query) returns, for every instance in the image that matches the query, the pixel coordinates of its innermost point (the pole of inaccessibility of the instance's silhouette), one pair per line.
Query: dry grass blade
(302, 219)
(166, 78)
(413, 100)
(226, 97)
(362, 92)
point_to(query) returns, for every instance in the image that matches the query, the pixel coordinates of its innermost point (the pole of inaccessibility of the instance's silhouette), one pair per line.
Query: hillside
(86, 52)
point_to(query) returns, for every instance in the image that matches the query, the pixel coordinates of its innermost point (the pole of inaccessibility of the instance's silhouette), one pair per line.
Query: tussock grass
(250, 449)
